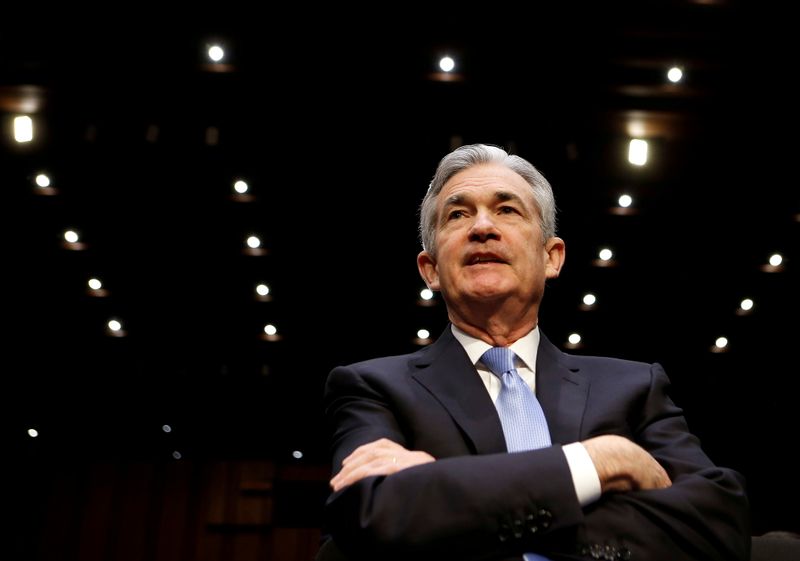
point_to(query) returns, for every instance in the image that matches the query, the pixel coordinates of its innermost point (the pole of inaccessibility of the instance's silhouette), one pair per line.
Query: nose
(483, 228)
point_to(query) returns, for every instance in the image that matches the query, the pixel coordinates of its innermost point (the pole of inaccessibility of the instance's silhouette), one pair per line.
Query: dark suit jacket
(480, 502)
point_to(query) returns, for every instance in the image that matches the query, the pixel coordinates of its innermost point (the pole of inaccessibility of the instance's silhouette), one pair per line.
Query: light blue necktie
(521, 415)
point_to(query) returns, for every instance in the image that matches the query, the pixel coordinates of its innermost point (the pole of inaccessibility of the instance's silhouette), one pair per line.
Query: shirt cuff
(584, 474)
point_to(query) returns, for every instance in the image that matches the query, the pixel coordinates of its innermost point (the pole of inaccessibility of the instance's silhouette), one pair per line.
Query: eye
(455, 214)
(507, 209)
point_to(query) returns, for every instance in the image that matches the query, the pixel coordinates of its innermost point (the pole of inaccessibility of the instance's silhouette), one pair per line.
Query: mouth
(481, 259)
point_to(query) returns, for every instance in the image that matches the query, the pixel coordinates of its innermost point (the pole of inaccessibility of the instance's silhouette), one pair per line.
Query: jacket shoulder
(385, 365)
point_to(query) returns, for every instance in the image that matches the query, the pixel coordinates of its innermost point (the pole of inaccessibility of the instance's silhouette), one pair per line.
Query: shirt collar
(525, 348)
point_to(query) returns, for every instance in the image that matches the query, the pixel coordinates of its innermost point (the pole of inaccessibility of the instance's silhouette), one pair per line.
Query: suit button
(504, 533)
(624, 553)
(545, 518)
(518, 528)
(530, 523)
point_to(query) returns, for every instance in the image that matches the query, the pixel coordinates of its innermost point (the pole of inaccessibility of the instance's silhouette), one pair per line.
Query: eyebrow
(501, 196)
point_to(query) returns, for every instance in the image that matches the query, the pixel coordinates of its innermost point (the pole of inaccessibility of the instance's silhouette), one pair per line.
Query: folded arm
(663, 498)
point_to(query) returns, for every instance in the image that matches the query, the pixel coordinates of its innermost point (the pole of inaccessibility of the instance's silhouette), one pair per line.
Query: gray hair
(474, 154)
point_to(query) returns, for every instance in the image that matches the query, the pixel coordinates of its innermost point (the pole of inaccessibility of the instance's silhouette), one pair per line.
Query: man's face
(489, 243)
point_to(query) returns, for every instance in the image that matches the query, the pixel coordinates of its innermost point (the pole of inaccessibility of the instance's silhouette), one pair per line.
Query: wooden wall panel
(173, 518)
(132, 502)
(61, 528)
(180, 511)
(95, 511)
(298, 544)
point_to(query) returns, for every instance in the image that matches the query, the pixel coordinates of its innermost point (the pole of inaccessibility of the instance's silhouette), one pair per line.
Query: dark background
(337, 121)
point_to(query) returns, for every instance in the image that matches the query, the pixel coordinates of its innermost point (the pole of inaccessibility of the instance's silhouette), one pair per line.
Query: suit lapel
(447, 373)
(562, 390)
(445, 370)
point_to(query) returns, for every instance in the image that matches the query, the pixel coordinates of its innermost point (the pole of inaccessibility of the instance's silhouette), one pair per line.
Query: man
(422, 442)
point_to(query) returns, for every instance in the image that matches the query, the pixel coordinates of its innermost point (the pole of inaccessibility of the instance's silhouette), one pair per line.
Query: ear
(427, 269)
(555, 257)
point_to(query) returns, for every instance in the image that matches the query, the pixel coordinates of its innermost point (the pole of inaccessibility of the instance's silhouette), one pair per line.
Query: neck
(496, 329)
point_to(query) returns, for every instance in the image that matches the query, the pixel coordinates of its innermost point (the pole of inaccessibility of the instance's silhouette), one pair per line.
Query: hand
(625, 466)
(380, 457)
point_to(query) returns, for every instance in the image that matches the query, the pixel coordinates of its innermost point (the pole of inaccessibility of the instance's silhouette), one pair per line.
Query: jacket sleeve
(704, 515)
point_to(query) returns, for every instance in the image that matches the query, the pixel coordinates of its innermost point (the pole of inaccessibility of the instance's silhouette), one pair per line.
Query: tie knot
(499, 360)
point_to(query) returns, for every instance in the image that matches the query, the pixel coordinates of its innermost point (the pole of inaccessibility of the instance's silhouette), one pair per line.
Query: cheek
(536, 267)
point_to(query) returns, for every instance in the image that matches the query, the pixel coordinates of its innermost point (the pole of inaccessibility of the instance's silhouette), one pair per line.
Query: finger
(373, 450)
(663, 480)
(361, 453)
(365, 457)
(376, 467)
(381, 465)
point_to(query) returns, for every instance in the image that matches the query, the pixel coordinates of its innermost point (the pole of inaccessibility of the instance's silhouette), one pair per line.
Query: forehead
(485, 180)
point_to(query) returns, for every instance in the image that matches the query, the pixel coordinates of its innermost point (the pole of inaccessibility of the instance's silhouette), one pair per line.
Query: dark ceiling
(337, 124)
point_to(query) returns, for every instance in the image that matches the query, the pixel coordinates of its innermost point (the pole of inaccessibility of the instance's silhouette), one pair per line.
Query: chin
(488, 291)
(485, 284)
